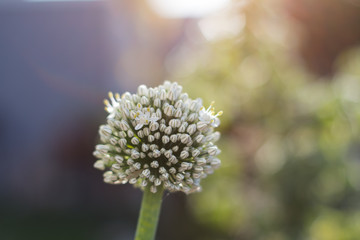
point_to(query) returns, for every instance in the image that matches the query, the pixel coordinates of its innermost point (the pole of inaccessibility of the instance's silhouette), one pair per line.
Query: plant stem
(149, 214)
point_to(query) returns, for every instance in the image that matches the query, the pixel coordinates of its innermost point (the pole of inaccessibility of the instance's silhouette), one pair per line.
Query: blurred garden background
(286, 74)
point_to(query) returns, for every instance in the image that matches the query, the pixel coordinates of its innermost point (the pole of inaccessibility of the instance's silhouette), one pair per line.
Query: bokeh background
(286, 74)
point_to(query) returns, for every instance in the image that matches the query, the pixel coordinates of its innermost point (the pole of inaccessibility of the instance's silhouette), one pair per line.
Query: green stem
(149, 214)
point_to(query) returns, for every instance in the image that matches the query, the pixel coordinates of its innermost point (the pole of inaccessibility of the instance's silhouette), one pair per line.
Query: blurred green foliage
(290, 144)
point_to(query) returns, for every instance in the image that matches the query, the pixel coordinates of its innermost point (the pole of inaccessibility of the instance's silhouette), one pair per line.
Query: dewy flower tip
(158, 137)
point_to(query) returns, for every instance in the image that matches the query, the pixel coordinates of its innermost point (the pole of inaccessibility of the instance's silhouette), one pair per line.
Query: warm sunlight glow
(186, 8)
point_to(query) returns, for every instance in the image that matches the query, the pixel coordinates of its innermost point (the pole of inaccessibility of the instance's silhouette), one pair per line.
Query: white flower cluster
(158, 137)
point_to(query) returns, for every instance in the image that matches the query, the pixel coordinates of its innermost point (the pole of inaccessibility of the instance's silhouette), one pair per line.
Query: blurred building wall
(58, 61)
